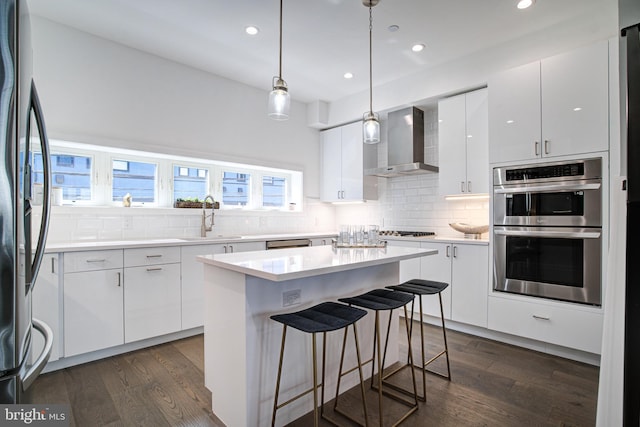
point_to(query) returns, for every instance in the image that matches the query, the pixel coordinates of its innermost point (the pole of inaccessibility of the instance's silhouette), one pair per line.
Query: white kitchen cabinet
(343, 159)
(152, 304)
(193, 277)
(579, 328)
(152, 294)
(46, 305)
(93, 295)
(465, 268)
(193, 283)
(463, 144)
(554, 107)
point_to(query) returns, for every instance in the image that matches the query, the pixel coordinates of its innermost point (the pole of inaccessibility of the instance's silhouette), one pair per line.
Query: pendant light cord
(370, 60)
(280, 56)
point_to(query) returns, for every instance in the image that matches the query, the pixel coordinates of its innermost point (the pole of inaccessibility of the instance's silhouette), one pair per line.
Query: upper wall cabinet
(463, 143)
(554, 107)
(343, 157)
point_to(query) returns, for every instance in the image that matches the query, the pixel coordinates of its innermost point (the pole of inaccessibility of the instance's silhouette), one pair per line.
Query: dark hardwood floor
(493, 384)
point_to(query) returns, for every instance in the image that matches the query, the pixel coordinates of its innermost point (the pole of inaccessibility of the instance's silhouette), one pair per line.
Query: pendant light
(370, 122)
(279, 100)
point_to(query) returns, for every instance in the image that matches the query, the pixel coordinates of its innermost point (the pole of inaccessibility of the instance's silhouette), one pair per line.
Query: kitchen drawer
(92, 260)
(577, 329)
(151, 256)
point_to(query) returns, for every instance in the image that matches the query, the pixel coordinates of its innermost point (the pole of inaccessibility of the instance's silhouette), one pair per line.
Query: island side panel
(263, 337)
(225, 345)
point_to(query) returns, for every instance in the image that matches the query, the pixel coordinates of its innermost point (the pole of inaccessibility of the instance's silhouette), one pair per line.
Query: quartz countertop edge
(175, 241)
(295, 263)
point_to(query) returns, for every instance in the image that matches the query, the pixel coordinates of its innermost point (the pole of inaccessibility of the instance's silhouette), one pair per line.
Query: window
(99, 176)
(190, 182)
(236, 188)
(135, 178)
(274, 191)
(71, 172)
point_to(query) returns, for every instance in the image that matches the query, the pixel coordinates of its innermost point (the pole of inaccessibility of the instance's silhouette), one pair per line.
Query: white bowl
(469, 228)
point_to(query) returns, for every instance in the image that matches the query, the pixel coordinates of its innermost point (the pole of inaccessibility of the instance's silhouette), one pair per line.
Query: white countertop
(441, 239)
(295, 263)
(177, 241)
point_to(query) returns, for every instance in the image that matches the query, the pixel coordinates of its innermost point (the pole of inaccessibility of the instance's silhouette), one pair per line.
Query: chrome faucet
(203, 227)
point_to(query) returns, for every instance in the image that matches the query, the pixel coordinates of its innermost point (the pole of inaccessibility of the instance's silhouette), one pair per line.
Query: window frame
(102, 177)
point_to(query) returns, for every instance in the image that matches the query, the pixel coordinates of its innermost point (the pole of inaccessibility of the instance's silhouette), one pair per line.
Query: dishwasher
(288, 243)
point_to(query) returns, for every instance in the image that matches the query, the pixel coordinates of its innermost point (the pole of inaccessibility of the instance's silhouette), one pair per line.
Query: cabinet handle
(339, 194)
(546, 146)
(541, 317)
(96, 260)
(153, 269)
(343, 194)
(447, 252)
(53, 266)
(324, 242)
(462, 186)
(225, 249)
(455, 251)
(154, 256)
(469, 186)
(537, 144)
(231, 248)
(119, 279)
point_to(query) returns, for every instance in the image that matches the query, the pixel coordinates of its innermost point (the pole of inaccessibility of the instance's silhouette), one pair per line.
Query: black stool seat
(420, 287)
(379, 299)
(324, 317)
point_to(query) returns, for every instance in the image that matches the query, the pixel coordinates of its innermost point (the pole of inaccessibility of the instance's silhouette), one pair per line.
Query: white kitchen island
(242, 343)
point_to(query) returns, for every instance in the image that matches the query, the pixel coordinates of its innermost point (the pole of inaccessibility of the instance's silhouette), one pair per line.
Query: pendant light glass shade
(370, 122)
(370, 128)
(279, 100)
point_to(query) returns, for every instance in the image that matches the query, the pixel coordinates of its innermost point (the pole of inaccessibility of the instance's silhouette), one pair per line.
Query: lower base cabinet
(93, 311)
(46, 307)
(152, 304)
(465, 267)
(580, 329)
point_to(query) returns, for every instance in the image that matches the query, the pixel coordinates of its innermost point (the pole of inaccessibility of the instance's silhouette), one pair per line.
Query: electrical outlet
(291, 298)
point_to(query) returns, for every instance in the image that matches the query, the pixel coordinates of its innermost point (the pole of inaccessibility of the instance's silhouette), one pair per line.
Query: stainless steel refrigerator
(629, 19)
(22, 141)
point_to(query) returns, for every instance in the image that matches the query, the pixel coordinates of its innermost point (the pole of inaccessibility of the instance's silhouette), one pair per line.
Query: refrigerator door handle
(29, 377)
(46, 199)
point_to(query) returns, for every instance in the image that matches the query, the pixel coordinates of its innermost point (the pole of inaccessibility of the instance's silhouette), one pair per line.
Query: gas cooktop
(397, 233)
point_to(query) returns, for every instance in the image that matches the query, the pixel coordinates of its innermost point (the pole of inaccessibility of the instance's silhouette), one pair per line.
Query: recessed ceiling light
(577, 109)
(509, 121)
(393, 28)
(523, 4)
(251, 30)
(348, 75)
(417, 47)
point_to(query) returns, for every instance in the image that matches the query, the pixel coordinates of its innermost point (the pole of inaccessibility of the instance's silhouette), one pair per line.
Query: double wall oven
(548, 230)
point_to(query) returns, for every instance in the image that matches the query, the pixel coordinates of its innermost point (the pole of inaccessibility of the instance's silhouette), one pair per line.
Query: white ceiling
(322, 39)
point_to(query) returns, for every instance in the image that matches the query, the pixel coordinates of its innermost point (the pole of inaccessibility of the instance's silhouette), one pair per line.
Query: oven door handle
(551, 234)
(547, 188)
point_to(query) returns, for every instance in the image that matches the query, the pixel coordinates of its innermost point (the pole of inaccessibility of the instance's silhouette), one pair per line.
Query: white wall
(97, 91)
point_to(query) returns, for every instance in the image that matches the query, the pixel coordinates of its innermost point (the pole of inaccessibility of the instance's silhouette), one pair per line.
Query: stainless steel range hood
(405, 141)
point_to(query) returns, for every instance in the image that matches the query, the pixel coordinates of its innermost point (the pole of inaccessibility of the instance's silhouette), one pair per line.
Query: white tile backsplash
(77, 223)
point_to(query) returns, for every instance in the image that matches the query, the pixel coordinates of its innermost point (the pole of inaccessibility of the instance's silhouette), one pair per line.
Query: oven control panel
(556, 171)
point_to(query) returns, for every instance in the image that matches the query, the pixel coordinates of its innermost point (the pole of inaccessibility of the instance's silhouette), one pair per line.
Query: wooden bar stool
(324, 317)
(420, 287)
(386, 300)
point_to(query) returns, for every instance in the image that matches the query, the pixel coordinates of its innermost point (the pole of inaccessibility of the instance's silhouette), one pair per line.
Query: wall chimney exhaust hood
(405, 142)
